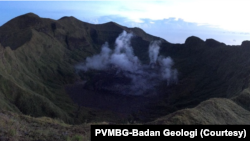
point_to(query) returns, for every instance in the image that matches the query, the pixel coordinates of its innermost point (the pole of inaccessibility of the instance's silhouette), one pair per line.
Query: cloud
(229, 17)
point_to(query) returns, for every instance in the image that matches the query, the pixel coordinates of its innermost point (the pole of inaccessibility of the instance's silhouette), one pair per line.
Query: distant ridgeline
(77, 72)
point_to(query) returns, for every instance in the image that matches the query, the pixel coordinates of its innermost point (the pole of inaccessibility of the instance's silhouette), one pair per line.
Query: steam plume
(143, 77)
(154, 51)
(97, 62)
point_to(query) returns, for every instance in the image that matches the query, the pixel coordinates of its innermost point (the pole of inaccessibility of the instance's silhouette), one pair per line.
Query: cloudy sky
(174, 20)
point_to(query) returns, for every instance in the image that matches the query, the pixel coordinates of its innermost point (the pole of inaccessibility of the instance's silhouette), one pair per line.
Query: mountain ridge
(32, 20)
(38, 56)
(39, 81)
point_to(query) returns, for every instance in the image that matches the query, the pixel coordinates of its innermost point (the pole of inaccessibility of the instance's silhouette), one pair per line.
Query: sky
(174, 20)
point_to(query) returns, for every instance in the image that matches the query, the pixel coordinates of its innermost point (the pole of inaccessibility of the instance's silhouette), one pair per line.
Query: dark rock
(245, 44)
(193, 41)
(213, 43)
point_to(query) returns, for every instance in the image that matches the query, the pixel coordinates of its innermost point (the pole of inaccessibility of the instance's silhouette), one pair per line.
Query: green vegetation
(36, 67)
(22, 128)
(213, 111)
(37, 59)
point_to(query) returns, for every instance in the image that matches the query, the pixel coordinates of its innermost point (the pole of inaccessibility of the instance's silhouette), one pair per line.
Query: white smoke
(153, 51)
(167, 72)
(122, 58)
(123, 44)
(97, 62)
(123, 55)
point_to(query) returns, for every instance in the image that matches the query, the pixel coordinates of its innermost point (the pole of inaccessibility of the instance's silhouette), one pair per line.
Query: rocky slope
(38, 56)
(38, 78)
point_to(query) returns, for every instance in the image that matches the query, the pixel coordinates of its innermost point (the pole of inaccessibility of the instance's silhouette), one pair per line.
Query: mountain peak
(17, 31)
(193, 41)
(67, 17)
(23, 21)
(30, 15)
(245, 44)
